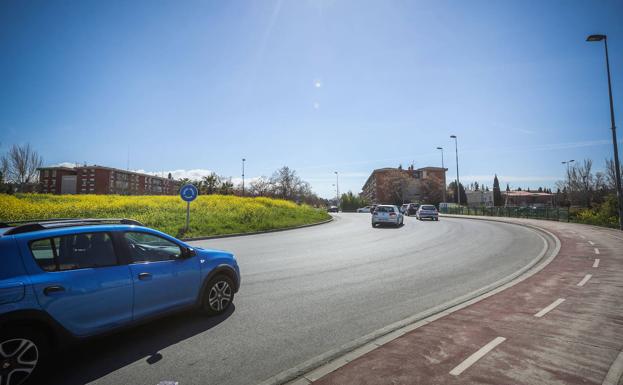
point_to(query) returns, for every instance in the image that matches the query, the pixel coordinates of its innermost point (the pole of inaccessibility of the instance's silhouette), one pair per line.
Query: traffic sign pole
(187, 215)
(188, 193)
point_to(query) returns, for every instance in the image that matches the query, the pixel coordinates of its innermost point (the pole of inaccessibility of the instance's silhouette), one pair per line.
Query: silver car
(427, 211)
(387, 214)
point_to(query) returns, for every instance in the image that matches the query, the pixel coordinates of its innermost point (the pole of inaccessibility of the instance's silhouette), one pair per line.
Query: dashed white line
(550, 307)
(584, 280)
(476, 356)
(592, 243)
(596, 263)
(596, 250)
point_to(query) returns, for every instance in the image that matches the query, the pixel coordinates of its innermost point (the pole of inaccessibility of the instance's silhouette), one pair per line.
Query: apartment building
(395, 185)
(103, 180)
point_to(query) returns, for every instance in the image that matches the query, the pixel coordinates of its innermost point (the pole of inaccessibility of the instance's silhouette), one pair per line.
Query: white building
(479, 198)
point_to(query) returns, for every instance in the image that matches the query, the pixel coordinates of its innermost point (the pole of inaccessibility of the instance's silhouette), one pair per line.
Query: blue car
(66, 280)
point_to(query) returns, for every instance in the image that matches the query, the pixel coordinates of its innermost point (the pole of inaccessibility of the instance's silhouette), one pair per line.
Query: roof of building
(526, 194)
(56, 168)
(103, 168)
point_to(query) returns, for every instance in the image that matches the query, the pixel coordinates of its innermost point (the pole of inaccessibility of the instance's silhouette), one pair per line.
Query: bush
(605, 214)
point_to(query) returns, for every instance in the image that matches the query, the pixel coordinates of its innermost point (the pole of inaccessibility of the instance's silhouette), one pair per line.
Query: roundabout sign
(188, 193)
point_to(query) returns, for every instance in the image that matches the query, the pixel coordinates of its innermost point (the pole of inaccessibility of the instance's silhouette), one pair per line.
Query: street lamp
(243, 160)
(568, 162)
(458, 182)
(444, 174)
(594, 38)
(337, 188)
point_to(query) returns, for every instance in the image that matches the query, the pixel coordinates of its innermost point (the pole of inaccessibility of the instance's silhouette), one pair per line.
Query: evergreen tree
(497, 194)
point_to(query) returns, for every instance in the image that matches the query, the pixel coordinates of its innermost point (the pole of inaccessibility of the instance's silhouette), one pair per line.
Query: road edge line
(256, 232)
(333, 359)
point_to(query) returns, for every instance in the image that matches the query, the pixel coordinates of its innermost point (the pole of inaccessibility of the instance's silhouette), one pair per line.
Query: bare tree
(611, 174)
(21, 164)
(285, 182)
(261, 187)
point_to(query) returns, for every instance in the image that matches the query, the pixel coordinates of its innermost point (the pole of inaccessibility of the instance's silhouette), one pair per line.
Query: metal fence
(550, 213)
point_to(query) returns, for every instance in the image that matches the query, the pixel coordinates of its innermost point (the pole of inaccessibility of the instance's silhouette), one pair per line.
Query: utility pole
(592, 38)
(243, 160)
(337, 188)
(444, 174)
(458, 182)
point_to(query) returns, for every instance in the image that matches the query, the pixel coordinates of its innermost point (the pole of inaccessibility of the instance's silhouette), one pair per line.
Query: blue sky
(318, 85)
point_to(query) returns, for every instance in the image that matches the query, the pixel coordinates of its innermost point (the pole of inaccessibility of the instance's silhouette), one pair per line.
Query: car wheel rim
(220, 296)
(18, 358)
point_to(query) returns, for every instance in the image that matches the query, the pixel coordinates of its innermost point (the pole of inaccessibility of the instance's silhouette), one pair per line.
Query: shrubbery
(605, 214)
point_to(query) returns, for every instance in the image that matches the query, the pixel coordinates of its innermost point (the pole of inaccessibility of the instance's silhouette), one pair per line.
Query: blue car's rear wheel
(219, 295)
(21, 353)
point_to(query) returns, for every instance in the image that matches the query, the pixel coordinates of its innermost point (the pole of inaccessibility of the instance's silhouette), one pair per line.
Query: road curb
(615, 373)
(256, 232)
(325, 363)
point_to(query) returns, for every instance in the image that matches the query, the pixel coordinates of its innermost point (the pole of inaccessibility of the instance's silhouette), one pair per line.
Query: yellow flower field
(209, 214)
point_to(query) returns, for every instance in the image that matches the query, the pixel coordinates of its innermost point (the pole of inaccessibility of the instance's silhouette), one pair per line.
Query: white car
(427, 211)
(387, 214)
(364, 209)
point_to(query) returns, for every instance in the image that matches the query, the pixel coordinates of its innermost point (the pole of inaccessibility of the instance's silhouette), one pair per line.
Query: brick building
(103, 180)
(395, 185)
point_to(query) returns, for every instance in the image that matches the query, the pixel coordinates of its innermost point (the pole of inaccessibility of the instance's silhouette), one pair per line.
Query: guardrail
(560, 214)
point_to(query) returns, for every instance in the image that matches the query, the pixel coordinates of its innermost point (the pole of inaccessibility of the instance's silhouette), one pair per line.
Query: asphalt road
(303, 293)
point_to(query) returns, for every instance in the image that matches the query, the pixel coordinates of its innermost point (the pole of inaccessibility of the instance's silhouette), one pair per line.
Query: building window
(53, 173)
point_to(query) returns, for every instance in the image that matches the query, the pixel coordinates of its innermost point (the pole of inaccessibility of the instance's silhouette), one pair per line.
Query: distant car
(67, 280)
(427, 211)
(364, 209)
(404, 208)
(412, 209)
(387, 214)
(333, 209)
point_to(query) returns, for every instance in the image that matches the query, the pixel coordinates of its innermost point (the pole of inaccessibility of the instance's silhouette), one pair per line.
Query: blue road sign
(189, 192)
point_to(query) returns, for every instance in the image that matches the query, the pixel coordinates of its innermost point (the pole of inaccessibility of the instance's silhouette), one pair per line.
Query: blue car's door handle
(53, 289)
(144, 276)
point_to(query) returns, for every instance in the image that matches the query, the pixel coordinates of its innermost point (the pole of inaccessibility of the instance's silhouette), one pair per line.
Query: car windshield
(385, 209)
(428, 207)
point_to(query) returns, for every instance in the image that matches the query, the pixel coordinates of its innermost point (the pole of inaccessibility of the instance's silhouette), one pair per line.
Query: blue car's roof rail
(28, 226)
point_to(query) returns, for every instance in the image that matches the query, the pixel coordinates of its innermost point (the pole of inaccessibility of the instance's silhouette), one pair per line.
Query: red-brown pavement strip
(575, 343)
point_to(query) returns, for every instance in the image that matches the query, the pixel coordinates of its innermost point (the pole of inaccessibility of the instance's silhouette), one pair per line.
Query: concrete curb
(615, 374)
(256, 232)
(323, 364)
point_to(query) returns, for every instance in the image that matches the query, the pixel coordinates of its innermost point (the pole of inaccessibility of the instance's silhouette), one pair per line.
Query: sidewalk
(563, 325)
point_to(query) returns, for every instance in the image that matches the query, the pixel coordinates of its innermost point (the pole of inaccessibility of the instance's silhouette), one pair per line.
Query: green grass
(209, 214)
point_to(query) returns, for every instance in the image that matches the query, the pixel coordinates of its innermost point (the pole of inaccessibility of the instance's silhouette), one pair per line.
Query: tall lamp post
(458, 182)
(444, 174)
(593, 38)
(337, 188)
(243, 160)
(568, 163)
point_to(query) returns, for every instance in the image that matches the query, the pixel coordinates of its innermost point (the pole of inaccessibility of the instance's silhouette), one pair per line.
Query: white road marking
(596, 250)
(550, 307)
(596, 263)
(476, 356)
(582, 236)
(584, 280)
(592, 243)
